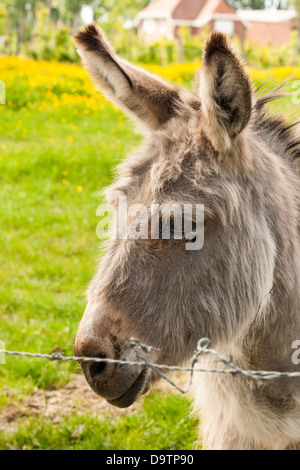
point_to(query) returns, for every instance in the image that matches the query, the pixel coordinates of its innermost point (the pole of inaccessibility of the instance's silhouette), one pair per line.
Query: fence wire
(142, 350)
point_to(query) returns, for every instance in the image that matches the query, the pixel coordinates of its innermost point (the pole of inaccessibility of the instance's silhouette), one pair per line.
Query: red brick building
(163, 18)
(269, 26)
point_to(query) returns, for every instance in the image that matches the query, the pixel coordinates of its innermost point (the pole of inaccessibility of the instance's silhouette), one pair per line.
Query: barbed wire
(141, 350)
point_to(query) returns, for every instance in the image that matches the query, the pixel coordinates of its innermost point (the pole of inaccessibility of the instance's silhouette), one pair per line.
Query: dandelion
(70, 139)
(51, 141)
(64, 181)
(42, 76)
(79, 189)
(4, 147)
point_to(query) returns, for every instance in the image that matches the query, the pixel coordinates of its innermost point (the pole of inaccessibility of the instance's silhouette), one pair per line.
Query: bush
(271, 56)
(49, 41)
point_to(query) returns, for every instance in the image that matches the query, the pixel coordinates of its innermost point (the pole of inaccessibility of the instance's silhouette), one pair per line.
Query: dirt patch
(75, 397)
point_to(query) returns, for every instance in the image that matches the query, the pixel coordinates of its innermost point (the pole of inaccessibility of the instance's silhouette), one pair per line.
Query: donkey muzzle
(119, 384)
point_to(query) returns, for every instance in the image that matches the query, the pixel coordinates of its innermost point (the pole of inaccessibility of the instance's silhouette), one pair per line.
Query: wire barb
(142, 352)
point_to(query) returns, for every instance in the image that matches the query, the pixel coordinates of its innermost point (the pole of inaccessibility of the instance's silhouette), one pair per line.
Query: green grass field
(49, 185)
(53, 163)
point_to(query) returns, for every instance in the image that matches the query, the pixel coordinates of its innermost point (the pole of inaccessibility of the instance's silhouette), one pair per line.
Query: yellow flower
(4, 147)
(51, 141)
(70, 139)
(40, 79)
(79, 189)
(64, 181)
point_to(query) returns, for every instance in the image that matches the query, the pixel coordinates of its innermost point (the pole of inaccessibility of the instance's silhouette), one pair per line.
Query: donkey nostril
(97, 369)
(98, 364)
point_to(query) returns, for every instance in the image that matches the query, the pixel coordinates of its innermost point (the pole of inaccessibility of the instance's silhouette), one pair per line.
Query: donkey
(218, 147)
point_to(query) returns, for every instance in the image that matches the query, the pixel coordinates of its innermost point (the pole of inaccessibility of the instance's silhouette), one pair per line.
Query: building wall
(239, 29)
(223, 7)
(276, 34)
(160, 28)
(188, 9)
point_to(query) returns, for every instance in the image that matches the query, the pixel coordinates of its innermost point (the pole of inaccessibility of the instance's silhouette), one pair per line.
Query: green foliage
(22, 15)
(258, 4)
(296, 5)
(56, 43)
(3, 18)
(271, 56)
(247, 4)
(160, 52)
(192, 45)
(50, 42)
(118, 11)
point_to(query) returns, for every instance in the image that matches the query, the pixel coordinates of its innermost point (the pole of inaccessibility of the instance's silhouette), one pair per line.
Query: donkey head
(198, 150)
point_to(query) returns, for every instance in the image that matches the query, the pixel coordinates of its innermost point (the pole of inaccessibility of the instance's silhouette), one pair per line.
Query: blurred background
(157, 31)
(60, 142)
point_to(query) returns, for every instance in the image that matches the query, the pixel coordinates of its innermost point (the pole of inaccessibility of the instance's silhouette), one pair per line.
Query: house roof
(177, 9)
(267, 16)
(190, 9)
(195, 13)
(206, 11)
(159, 9)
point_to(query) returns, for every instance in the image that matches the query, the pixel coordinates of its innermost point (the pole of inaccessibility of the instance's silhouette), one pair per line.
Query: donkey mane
(279, 134)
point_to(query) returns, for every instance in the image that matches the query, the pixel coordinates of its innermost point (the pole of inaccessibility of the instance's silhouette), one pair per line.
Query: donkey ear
(132, 89)
(225, 92)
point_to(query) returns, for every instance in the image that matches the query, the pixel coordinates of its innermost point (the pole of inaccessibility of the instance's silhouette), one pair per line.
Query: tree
(123, 10)
(70, 10)
(3, 18)
(113, 15)
(21, 13)
(247, 4)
